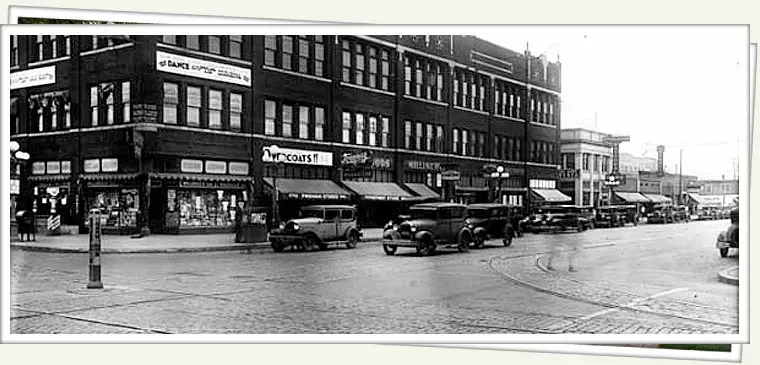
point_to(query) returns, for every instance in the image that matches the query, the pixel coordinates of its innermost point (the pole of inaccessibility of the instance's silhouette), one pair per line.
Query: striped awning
(697, 198)
(199, 177)
(550, 195)
(309, 189)
(377, 190)
(632, 197)
(108, 177)
(657, 198)
(50, 178)
(423, 191)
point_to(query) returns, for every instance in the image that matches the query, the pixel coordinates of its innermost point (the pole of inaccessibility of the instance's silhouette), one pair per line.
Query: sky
(684, 87)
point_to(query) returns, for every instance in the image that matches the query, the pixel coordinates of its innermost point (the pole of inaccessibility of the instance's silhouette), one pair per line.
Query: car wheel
(464, 243)
(724, 252)
(426, 247)
(309, 243)
(389, 250)
(519, 234)
(277, 247)
(508, 240)
(353, 238)
(591, 225)
(479, 242)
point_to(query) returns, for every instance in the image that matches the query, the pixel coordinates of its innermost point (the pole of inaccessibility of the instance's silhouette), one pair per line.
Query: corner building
(171, 132)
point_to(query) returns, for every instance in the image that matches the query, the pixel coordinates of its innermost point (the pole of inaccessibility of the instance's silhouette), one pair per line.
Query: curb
(725, 277)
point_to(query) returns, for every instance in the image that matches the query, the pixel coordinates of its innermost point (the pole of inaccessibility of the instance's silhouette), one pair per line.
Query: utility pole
(680, 178)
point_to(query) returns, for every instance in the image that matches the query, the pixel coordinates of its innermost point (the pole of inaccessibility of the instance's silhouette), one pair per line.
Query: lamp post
(275, 151)
(18, 158)
(499, 174)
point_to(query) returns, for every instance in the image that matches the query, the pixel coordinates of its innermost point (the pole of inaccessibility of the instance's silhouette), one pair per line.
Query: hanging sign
(203, 69)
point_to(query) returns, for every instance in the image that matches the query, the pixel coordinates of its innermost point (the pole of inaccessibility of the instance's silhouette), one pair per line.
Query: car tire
(464, 243)
(390, 250)
(353, 238)
(278, 247)
(479, 242)
(508, 241)
(724, 252)
(309, 243)
(426, 247)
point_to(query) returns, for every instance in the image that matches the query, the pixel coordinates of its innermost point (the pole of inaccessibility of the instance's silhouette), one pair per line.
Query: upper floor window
(286, 54)
(408, 135)
(319, 124)
(365, 64)
(214, 44)
(385, 132)
(418, 136)
(346, 127)
(49, 111)
(110, 103)
(170, 103)
(236, 111)
(372, 130)
(304, 54)
(359, 118)
(294, 120)
(14, 50)
(423, 77)
(194, 104)
(46, 47)
(439, 138)
(465, 142)
(169, 39)
(287, 121)
(235, 46)
(214, 109)
(193, 42)
(429, 135)
(270, 111)
(455, 141)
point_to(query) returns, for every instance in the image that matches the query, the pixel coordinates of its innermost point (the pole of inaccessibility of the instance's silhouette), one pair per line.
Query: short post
(95, 235)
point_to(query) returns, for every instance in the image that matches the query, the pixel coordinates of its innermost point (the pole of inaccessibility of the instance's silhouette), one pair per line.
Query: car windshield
(478, 213)
(312, 213)
(423, 214)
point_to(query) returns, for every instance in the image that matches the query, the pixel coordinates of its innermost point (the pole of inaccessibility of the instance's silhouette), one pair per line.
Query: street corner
(729, 276)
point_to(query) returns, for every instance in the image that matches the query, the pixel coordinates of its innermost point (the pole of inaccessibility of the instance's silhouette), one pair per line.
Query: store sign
(238, 168)
(53, 191)
(194, 67)
(300, 157)
(356, 159)
(381, 163)
(92, 165)
(144, 113)
(216, 167)
(38, 168)
(65, 167)
(15, 186)
(53, 167)
(450, 175)
(211, 185)
(568, 174)
(423, 165)
(110, 165)
(191, 165)
(315, 196)
(33, 77)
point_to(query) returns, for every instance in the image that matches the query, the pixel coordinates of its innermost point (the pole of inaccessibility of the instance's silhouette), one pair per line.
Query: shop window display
(207, 208)
(120, 207)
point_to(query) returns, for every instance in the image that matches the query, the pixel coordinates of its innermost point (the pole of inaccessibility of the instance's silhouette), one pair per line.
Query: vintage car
(489, 221)
(316, 227)
(661, 214)
(429, 226)
(681, 214)
(560, 217)
(708, 213)
(730, 237)
(616, 215)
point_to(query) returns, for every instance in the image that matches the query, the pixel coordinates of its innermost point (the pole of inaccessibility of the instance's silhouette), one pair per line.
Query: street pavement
(631, 280)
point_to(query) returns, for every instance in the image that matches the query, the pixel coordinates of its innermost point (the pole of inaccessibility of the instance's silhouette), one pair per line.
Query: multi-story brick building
(171, 132)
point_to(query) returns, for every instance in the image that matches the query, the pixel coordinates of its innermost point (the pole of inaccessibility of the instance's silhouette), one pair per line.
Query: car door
(330, 224)
(346, 220)
(442, 227)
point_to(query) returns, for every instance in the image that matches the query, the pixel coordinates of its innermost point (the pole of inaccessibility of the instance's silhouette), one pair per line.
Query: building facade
(170, 133)
(586, 159)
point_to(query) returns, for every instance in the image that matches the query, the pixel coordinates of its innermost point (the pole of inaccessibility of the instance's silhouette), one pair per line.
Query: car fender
(419, 236)
(480, 232)
(349, 230)
(391, 234)
(465, 233)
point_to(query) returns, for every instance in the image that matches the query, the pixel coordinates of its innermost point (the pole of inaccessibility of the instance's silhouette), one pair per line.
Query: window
(214, 44)
(418, 79)
(407, 76)
(418, 136)
(270, 50)
(586, 158)
(429, 138)
(319, 124)
(407, 134)
(385, 71)
(439, 139)
(40, 47)
(438, 83)
(14, 50)
(372, 67)
(319, 55)
(359, 128)
(518, 150)
(457, 81)
(551, 113)
(236, 111)
(569, 161)
(372, 130)
(287, 120)
(235, 46)
(94, 101)
(54, 115)
(386, 132)
(270, 111)
(193, 106)
(303, 54)
(346, 61)
(518, 107)
(67, 114)
(193, 42)
(169, 39)
(359, 65)
(171, 99)
(346, 127)
(481, 144)
(496, 147)
(455, 139)
(303, 122)
(108, 91)
(286, 61)
(215, 109)
(126, 98)
(465, 142)
(465, 91)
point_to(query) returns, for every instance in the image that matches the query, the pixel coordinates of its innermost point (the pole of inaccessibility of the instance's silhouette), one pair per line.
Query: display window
(207, 208)
(119, 206)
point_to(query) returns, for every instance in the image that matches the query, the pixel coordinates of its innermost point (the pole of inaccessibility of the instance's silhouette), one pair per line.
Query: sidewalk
(159, 243)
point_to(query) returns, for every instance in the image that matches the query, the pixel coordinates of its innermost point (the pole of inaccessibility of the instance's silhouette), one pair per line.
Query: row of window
(423, 78)
(280, 117)
(225, 45)
(542, 152)
(507, 148)
(364, 128)
(202, 107)
(303, 54)
(366, 65)
(507, 100)
(470, 89)
(50, 46)
(431, 134)
(589, 162)
(50, 111)
(468, 143)
(542, 108)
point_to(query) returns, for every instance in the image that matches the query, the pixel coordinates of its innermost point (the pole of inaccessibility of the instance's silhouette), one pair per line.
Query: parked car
(561, 217)
(489, 221)
(730, 237)
(661, 214)
(616, 215)
(681, 214)
(316, 227)
(430, 225)
(708, 213)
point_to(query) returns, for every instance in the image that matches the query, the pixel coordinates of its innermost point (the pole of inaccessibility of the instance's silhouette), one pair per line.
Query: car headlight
(296, 227)
(414, 229)
(722, 237)
(282, 225)
(470, 226)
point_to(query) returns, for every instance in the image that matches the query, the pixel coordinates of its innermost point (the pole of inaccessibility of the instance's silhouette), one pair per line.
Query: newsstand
(252, 226)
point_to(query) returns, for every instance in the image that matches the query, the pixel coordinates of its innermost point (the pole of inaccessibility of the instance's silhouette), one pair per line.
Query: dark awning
(550, 195)
(378, 190)
(697, 198)
(632, 197)
(657, 198)
(198, 177)
(309, 189)
(423, 191)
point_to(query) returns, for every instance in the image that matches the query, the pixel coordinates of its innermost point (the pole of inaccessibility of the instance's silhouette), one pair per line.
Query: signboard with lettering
(423, 165)
(568, 174)
(300, 157)
(238, 168)
(216, 167)
(110, 165)
(38, 168)
(144, 113)
(65, 167)
(209, 70)
(450, 175)
(33, 77)
(381, 163)
(53, 167)
(211, 185)
(191, 165)
(356, 159)
(92, 165)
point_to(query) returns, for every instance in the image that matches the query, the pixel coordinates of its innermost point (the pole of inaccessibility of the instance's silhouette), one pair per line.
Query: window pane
(125, 92)
(192, 42)
(269, 117)
(171, 39)
(215, 44)
(193, 96)
(303, 122)
(287, 121)
(359, 129)
(346, 127)
(319, 119)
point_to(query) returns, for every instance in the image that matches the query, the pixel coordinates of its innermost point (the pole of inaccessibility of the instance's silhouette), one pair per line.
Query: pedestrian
(574, 246)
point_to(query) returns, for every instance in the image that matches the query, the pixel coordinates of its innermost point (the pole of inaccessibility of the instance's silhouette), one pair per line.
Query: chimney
(660, 153)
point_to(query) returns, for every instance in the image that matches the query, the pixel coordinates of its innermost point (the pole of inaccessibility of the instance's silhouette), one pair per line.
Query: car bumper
(399, 242)
(285, 238)
(726, 244)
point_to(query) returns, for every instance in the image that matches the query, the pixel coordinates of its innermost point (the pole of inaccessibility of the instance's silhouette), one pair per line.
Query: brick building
(171, 132)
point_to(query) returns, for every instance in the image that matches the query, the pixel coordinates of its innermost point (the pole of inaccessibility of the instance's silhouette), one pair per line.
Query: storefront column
(144, 184)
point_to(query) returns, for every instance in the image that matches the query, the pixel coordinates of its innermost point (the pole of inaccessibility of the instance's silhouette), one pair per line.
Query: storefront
(296, 193)
(118, 198)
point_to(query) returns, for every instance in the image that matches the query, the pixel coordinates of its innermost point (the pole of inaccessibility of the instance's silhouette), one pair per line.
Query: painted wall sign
(53, 167)
(238, 168)
(110, 165)
(92, 165)
(356, 159)
(300, 157)
(38, 168)
(194, 67)
(144, 113)
(33, 77)
(381, 163)
(423, 165)
(191, 165)
(216, 167)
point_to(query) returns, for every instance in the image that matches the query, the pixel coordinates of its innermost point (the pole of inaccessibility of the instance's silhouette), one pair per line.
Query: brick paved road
(648, 279)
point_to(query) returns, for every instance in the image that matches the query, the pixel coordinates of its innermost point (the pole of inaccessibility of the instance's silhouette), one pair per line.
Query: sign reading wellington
(33, 77)
(194, 67)
(301, 157)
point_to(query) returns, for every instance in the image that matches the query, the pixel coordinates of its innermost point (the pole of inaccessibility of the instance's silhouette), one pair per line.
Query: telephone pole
(680, 178)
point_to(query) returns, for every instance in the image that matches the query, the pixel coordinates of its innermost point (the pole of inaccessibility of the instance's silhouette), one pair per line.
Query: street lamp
(499, 174)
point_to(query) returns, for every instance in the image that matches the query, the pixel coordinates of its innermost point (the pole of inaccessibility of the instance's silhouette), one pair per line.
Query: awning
(550, 195)
(696, 198)
(632, 197)
(309, 189)
(423, 191)
(14, 108)
(657, 198)
(199, 177)
(108, 177)
(378, 190)
(471, 189)
(50, 178)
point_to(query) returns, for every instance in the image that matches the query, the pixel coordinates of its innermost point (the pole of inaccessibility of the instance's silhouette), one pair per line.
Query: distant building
(721, 193)
(633, 164)
(585, 159)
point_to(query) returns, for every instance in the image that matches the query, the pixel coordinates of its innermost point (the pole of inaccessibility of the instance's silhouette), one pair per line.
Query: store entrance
(156, 210)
